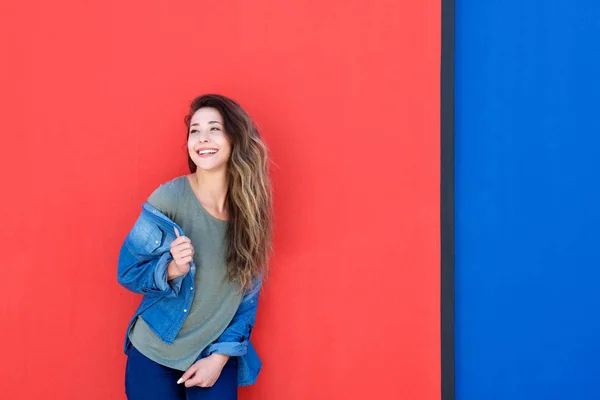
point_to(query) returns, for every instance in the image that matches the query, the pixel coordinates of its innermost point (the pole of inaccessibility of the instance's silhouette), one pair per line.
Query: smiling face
(208, 144)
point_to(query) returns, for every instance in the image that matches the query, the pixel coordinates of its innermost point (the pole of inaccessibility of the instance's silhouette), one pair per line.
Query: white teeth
(202, 152)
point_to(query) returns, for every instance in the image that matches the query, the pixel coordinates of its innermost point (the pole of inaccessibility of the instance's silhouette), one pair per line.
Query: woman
(197, 253)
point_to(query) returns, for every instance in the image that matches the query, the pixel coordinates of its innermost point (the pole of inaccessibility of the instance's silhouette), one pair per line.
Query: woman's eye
(214, 128)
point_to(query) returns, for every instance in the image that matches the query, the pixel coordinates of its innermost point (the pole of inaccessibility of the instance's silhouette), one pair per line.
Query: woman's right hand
(182, 252)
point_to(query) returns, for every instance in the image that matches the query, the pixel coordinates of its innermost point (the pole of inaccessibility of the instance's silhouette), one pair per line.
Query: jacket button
(185, 310)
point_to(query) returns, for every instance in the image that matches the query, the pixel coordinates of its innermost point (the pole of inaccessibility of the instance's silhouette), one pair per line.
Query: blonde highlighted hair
(249, 195)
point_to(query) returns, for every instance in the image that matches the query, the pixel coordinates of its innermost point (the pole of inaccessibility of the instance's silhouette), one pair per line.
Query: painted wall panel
(347, 97)
(527, 195)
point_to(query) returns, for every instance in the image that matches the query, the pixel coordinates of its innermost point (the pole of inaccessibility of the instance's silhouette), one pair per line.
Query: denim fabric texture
(147, 380)
(142, 268)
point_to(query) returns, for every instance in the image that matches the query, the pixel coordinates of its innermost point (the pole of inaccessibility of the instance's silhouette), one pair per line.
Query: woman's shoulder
(166, 196)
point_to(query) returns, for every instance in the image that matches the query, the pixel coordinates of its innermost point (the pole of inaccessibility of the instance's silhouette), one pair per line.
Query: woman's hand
(204, 372)
(182, 252)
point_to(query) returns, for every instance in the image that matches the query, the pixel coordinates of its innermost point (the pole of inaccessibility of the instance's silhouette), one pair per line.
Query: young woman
(197, 253)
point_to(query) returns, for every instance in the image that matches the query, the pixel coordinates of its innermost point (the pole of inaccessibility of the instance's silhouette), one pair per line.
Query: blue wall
(527, 200)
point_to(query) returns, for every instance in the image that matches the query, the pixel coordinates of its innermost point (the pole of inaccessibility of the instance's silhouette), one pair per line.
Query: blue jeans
(147, 380)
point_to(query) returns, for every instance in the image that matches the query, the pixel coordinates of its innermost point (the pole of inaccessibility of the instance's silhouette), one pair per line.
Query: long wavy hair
(249, 199)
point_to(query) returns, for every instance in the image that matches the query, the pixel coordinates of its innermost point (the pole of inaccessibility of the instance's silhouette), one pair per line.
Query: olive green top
(215, 299)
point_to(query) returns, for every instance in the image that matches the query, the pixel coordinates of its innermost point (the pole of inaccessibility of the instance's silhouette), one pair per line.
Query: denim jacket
(143, 261)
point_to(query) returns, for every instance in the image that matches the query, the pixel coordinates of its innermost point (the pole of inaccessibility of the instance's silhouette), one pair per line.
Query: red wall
(347, 95)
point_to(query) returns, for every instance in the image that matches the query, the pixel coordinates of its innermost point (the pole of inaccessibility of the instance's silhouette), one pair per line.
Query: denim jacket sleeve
(234, 340)
(144, 258)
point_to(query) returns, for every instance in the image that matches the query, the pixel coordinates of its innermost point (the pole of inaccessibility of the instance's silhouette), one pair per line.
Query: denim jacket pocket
(155, 239)
(146, 235)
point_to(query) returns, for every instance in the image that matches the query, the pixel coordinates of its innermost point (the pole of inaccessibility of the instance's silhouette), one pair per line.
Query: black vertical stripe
(447, 199)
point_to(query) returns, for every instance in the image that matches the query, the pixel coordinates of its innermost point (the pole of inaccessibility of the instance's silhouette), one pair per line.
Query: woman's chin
(210, 166)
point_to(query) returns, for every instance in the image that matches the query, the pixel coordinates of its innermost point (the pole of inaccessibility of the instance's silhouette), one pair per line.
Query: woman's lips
(207, 154)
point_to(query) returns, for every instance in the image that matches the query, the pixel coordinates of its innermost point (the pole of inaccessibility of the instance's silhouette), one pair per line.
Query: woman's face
(208, 144)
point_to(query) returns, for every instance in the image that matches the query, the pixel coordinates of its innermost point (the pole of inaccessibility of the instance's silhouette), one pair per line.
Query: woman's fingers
(185, 260)
(188, 374)
(194, 381)
(179, 246)
(198, 380)
(180, 240)
(183, 250)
